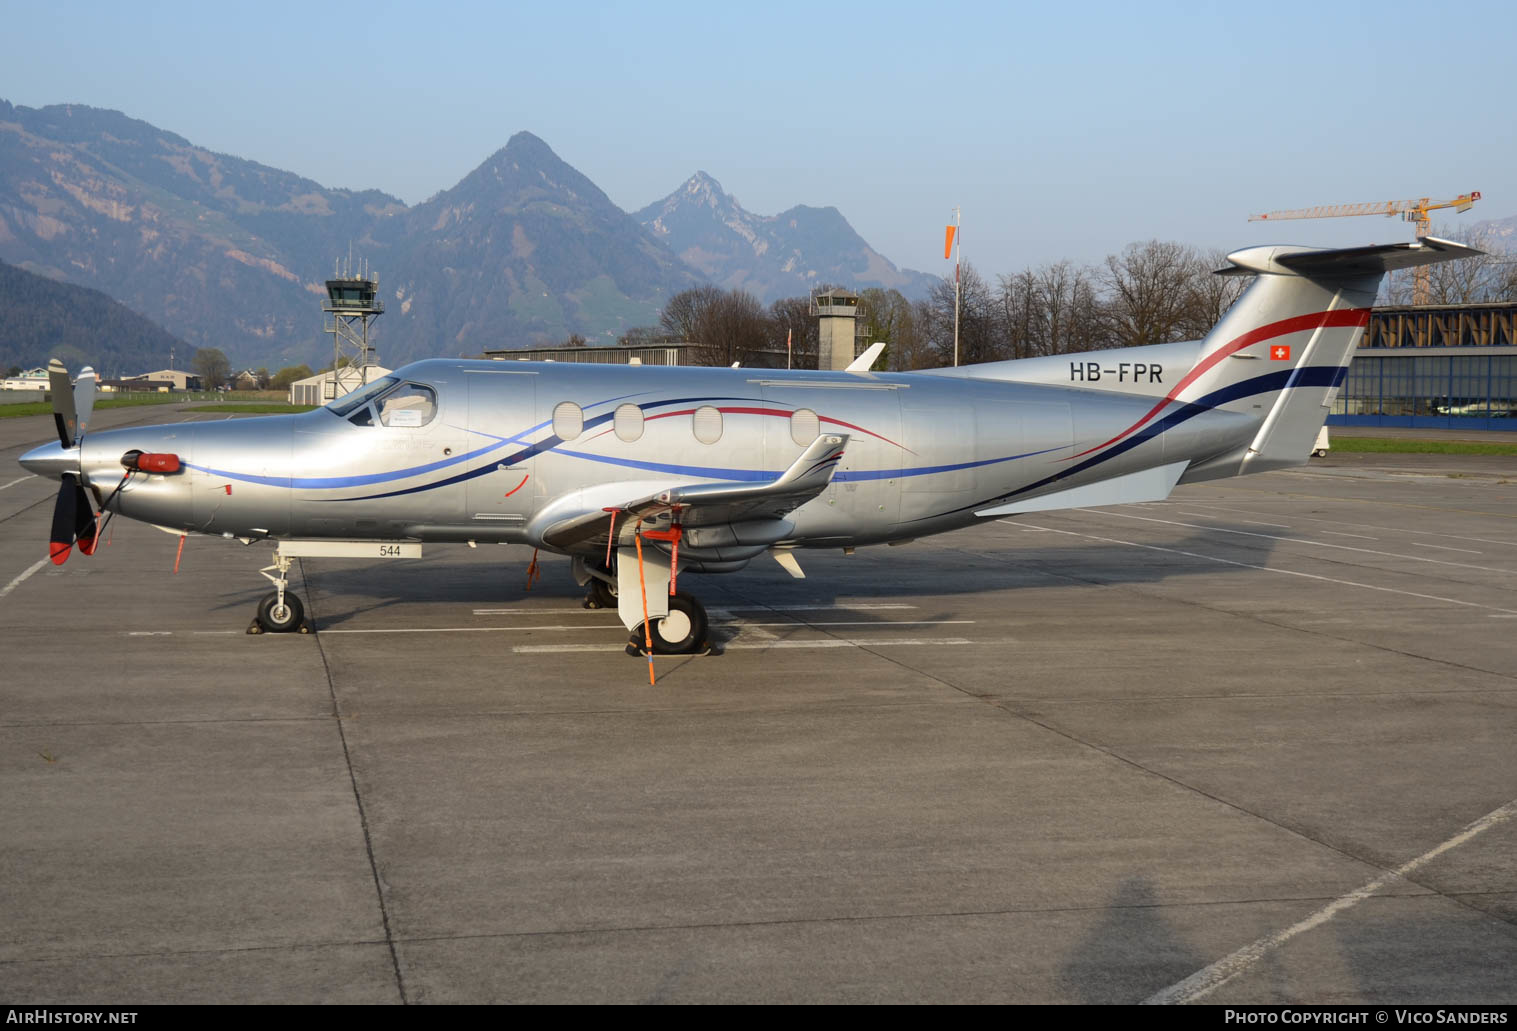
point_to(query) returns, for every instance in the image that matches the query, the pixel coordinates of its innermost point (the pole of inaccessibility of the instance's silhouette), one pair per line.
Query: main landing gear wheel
(681, 632)
(281, 619)
(600, 595)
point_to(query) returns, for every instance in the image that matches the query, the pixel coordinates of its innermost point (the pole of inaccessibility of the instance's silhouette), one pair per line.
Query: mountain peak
(703, 189)
(525, 143)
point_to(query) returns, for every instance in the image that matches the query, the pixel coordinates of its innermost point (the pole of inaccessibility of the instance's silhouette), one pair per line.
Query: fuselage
(476, 450)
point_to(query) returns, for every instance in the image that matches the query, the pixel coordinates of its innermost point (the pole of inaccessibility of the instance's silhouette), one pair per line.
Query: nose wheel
(280, 611)
(284, 615)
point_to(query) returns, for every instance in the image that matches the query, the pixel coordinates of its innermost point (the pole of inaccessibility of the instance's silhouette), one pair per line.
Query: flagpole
(957, 244)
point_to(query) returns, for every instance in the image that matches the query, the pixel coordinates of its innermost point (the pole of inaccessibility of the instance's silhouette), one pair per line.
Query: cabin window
(629, 422)
(707, 424)
(804, 426)
(568, 420)
(408, 405)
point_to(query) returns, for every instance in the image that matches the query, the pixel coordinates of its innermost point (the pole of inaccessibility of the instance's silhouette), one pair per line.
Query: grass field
(1400, 446)
(258, 401)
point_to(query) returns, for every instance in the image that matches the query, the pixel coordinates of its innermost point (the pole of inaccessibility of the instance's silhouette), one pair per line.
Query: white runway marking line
(1291, 540)
(19, 479)
(18, 581)
(1208, 979)
(859, 622)
(476, 629)
(713, 609)
(1372, 526)
(831, 642)
(1337, 533)
(1286, 572)
(1443, 547)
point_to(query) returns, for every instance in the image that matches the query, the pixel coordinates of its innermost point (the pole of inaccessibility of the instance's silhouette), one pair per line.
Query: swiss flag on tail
(1280, 353)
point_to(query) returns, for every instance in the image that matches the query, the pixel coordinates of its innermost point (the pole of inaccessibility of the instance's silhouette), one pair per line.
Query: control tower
(352, 300)
(837, 314)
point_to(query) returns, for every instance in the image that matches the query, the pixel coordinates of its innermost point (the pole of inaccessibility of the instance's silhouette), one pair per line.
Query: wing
(701, 504)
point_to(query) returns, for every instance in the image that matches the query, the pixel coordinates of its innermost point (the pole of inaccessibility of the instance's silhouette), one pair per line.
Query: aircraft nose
(51, 460)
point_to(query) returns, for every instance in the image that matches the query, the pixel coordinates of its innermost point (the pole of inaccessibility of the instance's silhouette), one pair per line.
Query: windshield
(345, 404)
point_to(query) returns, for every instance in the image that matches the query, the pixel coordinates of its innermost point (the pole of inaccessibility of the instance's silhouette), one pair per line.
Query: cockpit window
(410, 404)
(345, 404)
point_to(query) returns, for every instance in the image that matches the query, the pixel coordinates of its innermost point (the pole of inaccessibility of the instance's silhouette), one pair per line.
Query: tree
(791, 317)
(979, 337)
(212, 367)
(1210, 296)
(575, 340)
(1491, 276)
(724, 326)
(1053, 309)
(263, 378)
(1149, 290)
(289, 374)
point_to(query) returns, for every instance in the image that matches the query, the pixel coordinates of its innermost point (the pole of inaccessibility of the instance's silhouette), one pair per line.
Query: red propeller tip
(59, 552)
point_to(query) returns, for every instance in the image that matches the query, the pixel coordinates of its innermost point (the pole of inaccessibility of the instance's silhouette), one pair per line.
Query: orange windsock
(948, 241)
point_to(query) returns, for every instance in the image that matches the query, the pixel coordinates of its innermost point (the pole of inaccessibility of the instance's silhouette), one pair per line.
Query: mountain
(220, 251)
(1500, 231)
(524, 249)
(228, 253)
(41, 319)
(770, 256)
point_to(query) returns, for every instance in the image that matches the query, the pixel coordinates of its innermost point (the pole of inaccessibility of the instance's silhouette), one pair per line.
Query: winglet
(865, 361)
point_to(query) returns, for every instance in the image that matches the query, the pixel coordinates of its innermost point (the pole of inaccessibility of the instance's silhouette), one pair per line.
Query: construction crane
(1409, 210)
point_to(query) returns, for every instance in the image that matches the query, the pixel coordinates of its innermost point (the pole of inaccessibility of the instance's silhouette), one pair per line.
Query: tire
(281, 621)
(601, 595)
(679, 633)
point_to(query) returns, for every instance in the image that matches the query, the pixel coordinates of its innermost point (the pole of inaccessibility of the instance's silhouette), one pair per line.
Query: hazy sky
(1062, 129)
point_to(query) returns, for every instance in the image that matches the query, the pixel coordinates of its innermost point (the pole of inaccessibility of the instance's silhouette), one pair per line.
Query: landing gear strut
(280, 612)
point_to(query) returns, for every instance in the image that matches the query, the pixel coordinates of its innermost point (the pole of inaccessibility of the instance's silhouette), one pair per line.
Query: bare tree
(1491, 276)
(792, 316)
(980, 339)
(1149, 287)
(1210, 295)
(725, 326)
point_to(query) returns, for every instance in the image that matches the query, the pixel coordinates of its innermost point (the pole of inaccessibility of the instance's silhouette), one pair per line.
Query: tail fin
(1281, 352)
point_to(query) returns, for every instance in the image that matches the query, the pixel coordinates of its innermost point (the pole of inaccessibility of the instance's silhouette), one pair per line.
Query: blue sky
(1062, 130)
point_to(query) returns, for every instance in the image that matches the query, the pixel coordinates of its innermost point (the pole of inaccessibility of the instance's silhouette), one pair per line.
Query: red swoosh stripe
(1356, 317)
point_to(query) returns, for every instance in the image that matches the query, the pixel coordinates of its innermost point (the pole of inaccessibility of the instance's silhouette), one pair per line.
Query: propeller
(73, 518)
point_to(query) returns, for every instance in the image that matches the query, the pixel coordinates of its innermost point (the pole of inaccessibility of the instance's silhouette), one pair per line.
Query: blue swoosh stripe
(1312, 376)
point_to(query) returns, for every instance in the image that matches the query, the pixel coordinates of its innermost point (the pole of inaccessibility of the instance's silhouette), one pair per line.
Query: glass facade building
(1450, 367)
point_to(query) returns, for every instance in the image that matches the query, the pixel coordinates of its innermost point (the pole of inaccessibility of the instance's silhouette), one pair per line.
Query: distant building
(247, 379)
(1449, 366)
(31, 379)
(327, 386)
(670, 353)
(163, 379)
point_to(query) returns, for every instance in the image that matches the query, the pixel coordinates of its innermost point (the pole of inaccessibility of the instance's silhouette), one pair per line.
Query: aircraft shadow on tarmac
(951, 565)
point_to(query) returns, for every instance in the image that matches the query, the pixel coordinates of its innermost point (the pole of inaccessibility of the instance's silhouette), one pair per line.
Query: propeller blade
(84, 399)
(64, 414)
(65, 516)
(84, 521)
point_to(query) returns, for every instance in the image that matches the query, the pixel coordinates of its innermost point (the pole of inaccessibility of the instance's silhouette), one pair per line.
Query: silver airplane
(640, 473)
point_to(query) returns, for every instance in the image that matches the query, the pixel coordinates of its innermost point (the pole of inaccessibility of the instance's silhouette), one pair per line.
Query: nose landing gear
(280, 611)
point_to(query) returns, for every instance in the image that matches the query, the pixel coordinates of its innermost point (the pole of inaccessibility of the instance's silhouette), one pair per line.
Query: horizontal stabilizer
(1133, 489)
(1346, 262)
